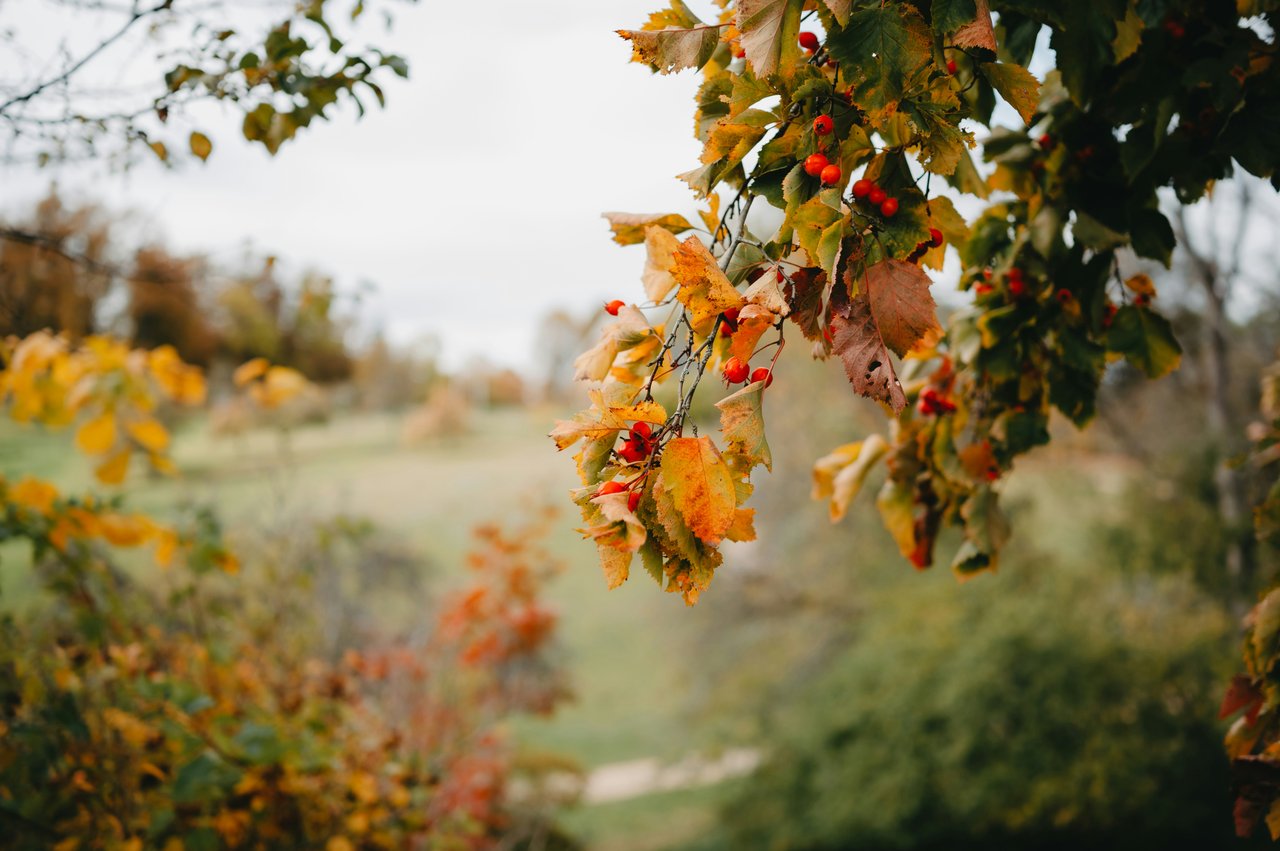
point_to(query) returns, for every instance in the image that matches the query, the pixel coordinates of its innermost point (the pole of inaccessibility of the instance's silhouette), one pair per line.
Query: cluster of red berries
(935, 240)
(817, 165)
(1013, 279)
(735, 371)
(638, 444)
(866, 190)
(933, 403)
(633, 498)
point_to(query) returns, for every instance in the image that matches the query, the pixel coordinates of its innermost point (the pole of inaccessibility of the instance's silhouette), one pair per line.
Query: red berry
(935, 237)
(633, 450)
(1016, 287)
(1015, 273)
(982, 289)
(876, 195)
(861, 188)
(740, 53)
(1108, 315)
(614, 306)
(762, 374)
(1064, 296)
(822, 125)
(1174, 28)
(951, 66)
(889, 207)
(1141, 300)
(986, 274)
(814, 164)
(808, 41)
(831, 175)
(735, 371)
(642, 430)
(731, 316)
(1046, 141)
(633, 501)
(611, 487)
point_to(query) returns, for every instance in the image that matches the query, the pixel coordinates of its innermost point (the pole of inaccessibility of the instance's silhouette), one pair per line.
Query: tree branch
(71, 70)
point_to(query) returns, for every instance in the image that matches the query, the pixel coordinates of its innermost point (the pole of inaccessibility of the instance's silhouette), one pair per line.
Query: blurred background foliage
(1069, 701)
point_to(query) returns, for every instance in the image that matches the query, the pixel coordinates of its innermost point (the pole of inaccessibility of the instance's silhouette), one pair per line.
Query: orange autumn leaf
(701, 486)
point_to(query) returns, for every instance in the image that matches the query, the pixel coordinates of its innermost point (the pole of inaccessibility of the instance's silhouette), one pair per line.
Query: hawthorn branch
(74, 68)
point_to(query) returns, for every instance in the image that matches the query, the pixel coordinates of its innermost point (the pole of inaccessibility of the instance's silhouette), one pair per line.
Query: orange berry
(762, 374)
(614, 306)
(611, 487)
(823, 125)
(814, 164)
(831, 175)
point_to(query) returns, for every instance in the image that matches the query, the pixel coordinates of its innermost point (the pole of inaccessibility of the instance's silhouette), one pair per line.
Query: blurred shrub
(198, 702)
(1062, 708)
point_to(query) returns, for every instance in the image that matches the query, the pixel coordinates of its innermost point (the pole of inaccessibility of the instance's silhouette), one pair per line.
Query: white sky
(472, 201)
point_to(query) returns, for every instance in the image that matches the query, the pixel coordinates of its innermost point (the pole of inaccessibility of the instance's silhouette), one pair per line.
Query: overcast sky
(472, 201)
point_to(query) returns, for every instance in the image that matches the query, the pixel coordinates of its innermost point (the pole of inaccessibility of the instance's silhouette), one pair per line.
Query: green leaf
(886, 50)
(949, 15)
(769, 30)
(1016, 85)
(1145, 339)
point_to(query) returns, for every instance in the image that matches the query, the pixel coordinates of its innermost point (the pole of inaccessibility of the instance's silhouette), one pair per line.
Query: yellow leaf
(249, 370)
(1141, 285)
(704, 289)
(34, 494)
(166, 546)
(132, 729)
(113, 470)
(742, 424)
(97, 435)
(149, 433)
(339, 843)
(200, 145)
(661, 249)
(616, 565)
(1273, 820)
(279, 385)
(701, 486)
(125, 530)
(743, 528)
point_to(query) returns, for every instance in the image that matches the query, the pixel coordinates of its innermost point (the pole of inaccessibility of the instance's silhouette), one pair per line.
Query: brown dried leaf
(857, 341)
(979, 32)
(901, 304)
